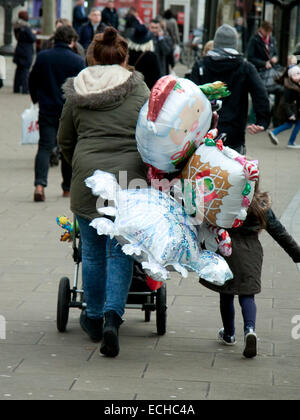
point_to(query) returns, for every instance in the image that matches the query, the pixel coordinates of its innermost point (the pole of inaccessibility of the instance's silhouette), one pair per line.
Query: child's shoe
(250, 349)
(228, 340)
(273, 138)
(293, 146)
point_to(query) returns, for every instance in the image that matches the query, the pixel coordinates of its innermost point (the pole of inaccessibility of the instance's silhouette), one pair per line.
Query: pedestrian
(78, 49)
(142, 56)
(289, 107)
(50, 71)
(224, 63)
(23, 55)
(241, 30)
(262, 52)
(49, 43)
(245, 263)
(110, 15)
(172, 26)
(97, 131)
(162, 46)
(94, 26)
(132, 20)
(79, 15)
(170, 59)
(173, 32)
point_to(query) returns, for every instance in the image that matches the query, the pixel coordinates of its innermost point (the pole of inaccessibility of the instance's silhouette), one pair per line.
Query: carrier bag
(30, 125)
(269, 77)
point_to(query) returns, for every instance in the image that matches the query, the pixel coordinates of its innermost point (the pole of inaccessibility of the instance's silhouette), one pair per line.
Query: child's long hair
(260, 204)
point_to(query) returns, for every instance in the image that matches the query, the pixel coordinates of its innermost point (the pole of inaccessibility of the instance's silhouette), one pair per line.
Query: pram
(140, 296)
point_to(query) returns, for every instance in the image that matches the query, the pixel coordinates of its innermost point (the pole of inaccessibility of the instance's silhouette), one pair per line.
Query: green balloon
(209, 142)
(247, 189)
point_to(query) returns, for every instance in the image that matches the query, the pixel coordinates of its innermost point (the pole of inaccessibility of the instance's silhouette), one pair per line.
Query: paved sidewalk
(36, 362)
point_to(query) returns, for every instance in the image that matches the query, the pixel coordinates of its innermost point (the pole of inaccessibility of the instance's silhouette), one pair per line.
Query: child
(289, 107)
(246, 265)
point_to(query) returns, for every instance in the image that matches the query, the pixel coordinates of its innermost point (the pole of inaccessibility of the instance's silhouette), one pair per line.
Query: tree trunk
(49, 17)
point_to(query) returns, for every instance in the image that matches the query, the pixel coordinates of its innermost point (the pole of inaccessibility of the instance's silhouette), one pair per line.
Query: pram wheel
(63, 304)
(161, 310)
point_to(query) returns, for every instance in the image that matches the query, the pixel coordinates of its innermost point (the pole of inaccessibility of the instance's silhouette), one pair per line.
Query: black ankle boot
(110, 343)
(93, 327)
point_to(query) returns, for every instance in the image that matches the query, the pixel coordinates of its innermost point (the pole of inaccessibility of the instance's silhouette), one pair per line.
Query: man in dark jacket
(163, 45)
(110, 16)
(50, 71)
(79, 16)
(24, 52)
(91, 28)
(224, 63)
(262, 51)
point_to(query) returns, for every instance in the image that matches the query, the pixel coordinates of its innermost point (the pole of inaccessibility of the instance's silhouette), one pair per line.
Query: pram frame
(74, 298)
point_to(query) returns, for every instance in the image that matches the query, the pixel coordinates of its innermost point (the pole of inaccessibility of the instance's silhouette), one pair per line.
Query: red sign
(180, 18)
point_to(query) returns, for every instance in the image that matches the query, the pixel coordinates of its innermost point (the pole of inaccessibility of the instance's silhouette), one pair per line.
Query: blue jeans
(288, 126)
(106, 272)
(248, 307)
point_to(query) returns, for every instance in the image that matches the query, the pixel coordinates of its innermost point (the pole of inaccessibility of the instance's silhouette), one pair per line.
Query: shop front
(147, 9)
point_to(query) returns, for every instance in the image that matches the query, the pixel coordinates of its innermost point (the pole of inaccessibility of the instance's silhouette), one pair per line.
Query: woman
(97, 131)
(24, 52)
(142, 56)
(132, 20)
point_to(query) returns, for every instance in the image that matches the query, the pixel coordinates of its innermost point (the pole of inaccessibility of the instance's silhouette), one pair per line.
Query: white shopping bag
(30, 125)
(176, 53)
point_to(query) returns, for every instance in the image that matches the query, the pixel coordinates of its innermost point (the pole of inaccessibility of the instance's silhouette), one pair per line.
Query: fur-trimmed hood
(101, 87)
(289, 84)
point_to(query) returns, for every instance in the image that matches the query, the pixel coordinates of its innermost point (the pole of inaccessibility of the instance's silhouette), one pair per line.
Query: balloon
(154, 228)
(172, 123)
(223, 183)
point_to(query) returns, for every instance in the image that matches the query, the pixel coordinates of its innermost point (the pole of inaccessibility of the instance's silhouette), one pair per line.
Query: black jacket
(24, 51)
(247, 255)
(87, 33)
(241, 79)
(110, 17)
(147, 64)
(163, 47)
(257, 52)
(78, 18)
(50, 71)
(131, 22)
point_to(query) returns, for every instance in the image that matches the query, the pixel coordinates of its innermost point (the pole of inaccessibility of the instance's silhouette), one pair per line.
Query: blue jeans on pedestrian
(106, 272)
(288, 126)
(248, 306)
